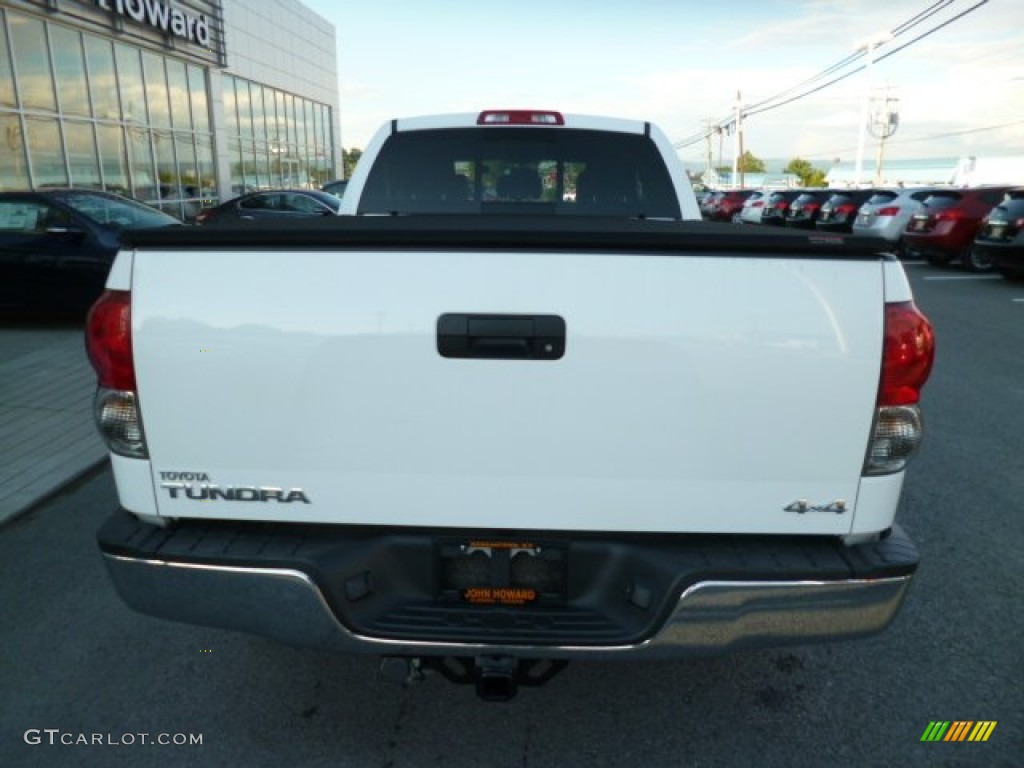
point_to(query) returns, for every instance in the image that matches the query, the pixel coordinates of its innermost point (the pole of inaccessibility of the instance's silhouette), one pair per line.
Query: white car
(752, 208)
(886, 213)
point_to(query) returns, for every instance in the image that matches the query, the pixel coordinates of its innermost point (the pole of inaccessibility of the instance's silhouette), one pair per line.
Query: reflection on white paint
(964, 277)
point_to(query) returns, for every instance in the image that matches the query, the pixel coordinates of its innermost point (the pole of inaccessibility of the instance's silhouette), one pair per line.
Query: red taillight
(519, 117)
(108, 340)
(908, 354)
(757, 204)
(845, 209)
(892, 210)
(950, 214)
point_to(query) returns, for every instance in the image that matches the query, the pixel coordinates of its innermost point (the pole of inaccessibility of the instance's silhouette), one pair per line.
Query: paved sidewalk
(47, 437)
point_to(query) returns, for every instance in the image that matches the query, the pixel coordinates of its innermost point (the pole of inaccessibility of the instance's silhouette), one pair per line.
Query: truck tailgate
(696, 393)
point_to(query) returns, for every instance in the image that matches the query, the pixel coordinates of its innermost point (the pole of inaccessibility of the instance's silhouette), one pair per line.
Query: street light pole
(868, 45)
(737, 142)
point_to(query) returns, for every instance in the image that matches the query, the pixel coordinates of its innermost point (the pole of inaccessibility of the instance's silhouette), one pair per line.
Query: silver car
(886, 213)
(750, 213)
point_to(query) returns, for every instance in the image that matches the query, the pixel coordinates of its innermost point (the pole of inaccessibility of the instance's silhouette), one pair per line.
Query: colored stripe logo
(959, 730)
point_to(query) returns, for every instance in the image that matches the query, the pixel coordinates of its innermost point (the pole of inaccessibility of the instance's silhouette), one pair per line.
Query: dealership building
(178, 103)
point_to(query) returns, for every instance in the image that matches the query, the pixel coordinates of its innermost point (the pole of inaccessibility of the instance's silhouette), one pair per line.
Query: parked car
(273, 203)
(57, 245)
(777, 206)
(709, 202)
(750, 213)
(840, 211)
(885, 214)
(728, 204)
(336, 187)
(804, 210)
(1000, 240)
(944, 229)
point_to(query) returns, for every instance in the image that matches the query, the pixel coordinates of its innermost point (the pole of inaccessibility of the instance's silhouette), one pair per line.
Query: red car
(727, 204)
(943, 230)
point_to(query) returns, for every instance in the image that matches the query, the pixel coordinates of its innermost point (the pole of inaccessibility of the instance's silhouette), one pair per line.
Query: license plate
(489, 572)
(996, 231)
(920, 224)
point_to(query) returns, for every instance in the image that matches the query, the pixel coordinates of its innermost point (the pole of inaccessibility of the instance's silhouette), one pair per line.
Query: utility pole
(737, 142)
(868, 45)
(883, 125)
(708, 135)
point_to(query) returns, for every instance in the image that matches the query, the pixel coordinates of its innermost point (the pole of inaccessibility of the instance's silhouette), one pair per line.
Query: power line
(920, 139)
(880, 58)
(773, 102)
(896, 32)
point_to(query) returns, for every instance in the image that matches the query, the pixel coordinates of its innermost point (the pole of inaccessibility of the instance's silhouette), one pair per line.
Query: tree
(349, 158)
(748, 163)
(809, 175)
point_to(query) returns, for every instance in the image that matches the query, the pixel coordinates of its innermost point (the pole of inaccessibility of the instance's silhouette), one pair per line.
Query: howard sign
(162, 16)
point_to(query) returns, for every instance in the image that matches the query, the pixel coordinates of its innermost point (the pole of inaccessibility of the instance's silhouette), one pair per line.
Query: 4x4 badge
(802, 506)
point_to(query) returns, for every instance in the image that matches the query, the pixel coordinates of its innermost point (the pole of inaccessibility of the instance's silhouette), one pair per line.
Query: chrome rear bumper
(709, 613)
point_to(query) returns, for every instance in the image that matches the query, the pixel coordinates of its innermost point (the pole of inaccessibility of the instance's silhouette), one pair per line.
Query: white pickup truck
(520, 406)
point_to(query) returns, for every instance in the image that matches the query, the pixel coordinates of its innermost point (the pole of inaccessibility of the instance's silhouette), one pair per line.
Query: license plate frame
(501, 572)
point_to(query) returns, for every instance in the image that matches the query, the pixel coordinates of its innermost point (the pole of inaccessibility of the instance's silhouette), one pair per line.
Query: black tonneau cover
(514, 232)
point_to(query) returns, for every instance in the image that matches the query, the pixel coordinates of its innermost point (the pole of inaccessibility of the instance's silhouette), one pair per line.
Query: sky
(679, 63)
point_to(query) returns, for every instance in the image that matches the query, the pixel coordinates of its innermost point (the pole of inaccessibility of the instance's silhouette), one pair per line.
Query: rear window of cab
(560, 171)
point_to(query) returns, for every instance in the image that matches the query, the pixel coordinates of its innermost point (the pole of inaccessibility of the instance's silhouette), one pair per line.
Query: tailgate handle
(501, 337)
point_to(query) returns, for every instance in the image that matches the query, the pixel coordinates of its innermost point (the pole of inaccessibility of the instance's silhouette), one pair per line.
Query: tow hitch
(496, 677)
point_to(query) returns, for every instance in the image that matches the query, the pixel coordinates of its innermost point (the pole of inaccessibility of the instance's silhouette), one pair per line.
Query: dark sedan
(804, 210)
(777, 206)
(1000, 241)
(839, 212)
(56, 246)
(272, 204)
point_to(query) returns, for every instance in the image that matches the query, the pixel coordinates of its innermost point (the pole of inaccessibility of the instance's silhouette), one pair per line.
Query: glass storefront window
(300, 122)
(289, 117)
(311, 137)
(259, 121)
(82, 160)
(129, 75)
(281, 126)
(250, 181)
(263, 165)
(69, 66)
(244, 102)
(112, 157)
(186, 152)
(32, 59)
(46, 151)
(156, 90)
(197, 92)
(102, 81)
(166, 169)
(142, 167)
(237, 169)
(177, 84)
(230, 107)
(6, 73)
(13, 168)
